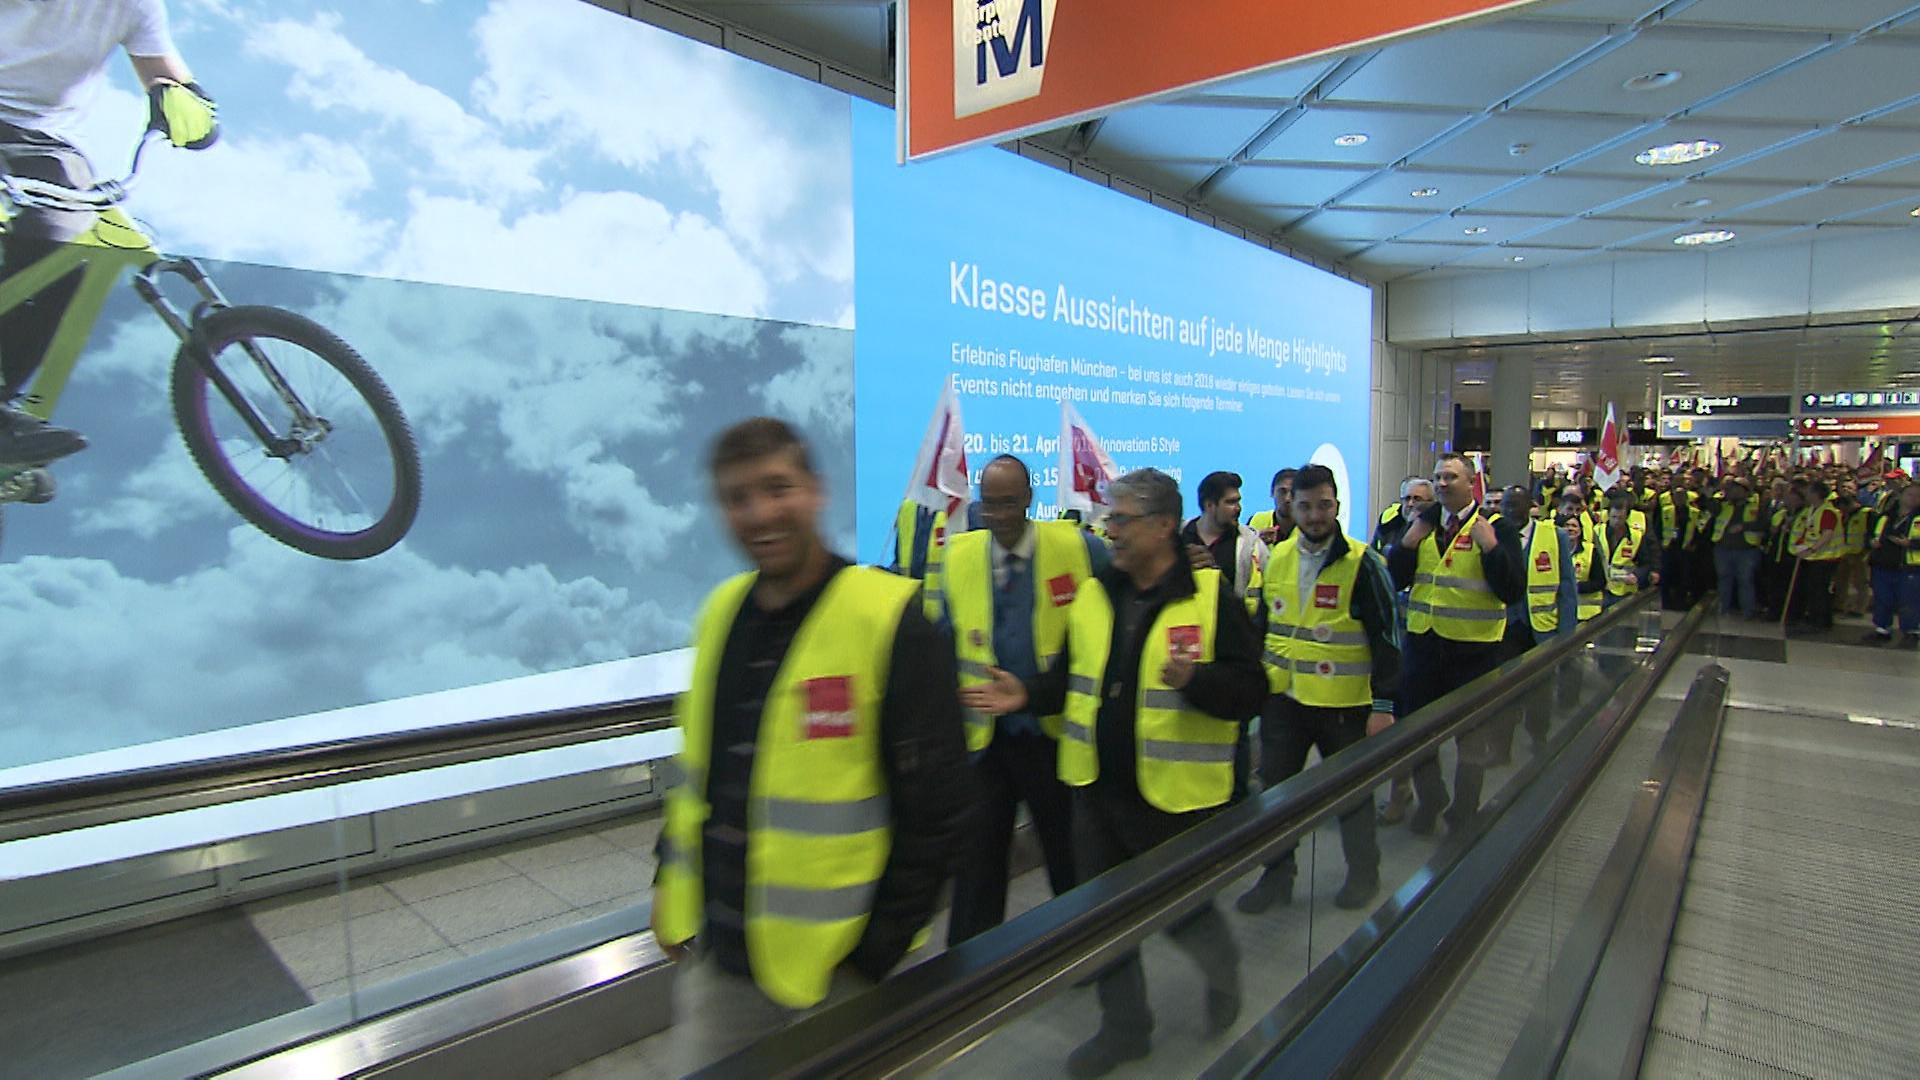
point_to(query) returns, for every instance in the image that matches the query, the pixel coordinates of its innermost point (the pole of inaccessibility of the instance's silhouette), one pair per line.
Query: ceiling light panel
(1178, 131)
(1390, 135)
(1829, 156)
(1395, 189)
(1551, 138)
(1839, 85)
(1712, 64)
(1427, 69)
(1258, 185)
(1669, 155)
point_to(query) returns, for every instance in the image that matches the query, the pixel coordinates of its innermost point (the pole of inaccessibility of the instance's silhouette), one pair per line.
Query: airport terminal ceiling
(1511, 143)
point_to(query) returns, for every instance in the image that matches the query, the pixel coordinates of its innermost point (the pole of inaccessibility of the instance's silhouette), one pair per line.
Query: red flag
(1085, 468)
(1878, 459)
(1606, 461)
(939, 479)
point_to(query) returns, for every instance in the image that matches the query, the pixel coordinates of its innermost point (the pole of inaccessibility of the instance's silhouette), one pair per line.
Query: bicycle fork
(308, 429)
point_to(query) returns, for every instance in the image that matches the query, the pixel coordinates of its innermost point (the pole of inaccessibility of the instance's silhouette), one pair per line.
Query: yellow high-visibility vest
(1669, 518)
(1261, 521)
(1543, 577)
(1060, 564)
(1316, 651)
(932, 596)
(1583, 565)
(1621, 578)
(1451, 596)
(819, 828)
(1807, 531)
(1185, 757)
(1913, 537)
(1749, 516)
(1856, 532)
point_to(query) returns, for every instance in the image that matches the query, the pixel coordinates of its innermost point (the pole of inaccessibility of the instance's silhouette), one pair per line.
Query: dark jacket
(1372, 607)
(930, 786)
(1231, 688)
(1504, 566)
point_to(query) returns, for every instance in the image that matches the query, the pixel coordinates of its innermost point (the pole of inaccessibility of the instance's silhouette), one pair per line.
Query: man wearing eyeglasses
(1008, 590)
(1160, 668)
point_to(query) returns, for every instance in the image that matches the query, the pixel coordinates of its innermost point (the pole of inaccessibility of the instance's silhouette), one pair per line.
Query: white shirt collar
(1023, 547)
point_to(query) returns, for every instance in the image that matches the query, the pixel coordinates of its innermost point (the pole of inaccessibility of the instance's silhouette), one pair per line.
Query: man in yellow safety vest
(1819, 543)
(1463, 569)
(1333, 662)
(821, 790)
(1160, 671)
(1009, 587)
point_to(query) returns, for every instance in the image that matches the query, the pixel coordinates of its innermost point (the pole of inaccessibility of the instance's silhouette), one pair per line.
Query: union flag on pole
(1606, 460)
(939, 480)
(1085, 468)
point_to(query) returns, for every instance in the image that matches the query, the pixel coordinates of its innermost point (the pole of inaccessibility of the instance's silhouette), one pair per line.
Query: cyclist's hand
(184, 113)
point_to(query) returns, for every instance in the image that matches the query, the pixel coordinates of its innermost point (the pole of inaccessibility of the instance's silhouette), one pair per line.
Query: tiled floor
(395, 923)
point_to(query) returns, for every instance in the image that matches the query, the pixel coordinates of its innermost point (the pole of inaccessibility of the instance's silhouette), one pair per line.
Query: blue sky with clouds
(541, 146)
(575, 247)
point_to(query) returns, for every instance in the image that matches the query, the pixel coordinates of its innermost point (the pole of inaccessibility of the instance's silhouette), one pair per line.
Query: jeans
(1739, 571)
(1896, 592)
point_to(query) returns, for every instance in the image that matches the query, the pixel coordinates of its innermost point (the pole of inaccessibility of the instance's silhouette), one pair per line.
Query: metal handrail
(950, 1000)
(57, 805)
(1357, 1027)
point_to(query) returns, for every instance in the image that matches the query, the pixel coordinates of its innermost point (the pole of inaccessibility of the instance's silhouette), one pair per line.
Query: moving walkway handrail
(955, 998)
(57, 805)
(1362, 1023)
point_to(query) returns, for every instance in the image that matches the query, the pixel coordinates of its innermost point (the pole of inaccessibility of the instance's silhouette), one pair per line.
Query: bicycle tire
(195, 396)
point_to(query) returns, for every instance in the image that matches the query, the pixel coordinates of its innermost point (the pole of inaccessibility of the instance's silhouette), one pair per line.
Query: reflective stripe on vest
(1185, 757)
(1316, 651)
(818, 817)
(1543, 578)
(1060, 564)
(1457, 612)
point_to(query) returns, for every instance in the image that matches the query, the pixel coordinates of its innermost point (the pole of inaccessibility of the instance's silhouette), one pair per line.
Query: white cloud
(332, 74)
(285, 199)
(818, 393)
(616, 247)
(167, 491)
(775, 150)
(271, 633)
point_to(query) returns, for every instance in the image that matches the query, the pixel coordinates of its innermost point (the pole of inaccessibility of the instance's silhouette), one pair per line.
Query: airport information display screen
(1181, 347)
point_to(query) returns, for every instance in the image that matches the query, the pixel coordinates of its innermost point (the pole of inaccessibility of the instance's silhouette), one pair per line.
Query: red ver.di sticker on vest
(1543, 562)
(829, 707)
(1326, 596)
(1183, 642)
(1061, 589)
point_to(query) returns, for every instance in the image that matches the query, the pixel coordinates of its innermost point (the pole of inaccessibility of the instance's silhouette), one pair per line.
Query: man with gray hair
(1160, 671)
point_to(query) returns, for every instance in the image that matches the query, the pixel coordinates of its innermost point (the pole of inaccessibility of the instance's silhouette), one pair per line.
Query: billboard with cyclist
(388, 365)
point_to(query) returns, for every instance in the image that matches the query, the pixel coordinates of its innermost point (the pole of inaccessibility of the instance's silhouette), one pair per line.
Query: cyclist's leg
(27, 330)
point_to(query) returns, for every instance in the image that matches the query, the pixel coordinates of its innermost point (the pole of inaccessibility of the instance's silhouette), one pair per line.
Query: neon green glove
(184, 113)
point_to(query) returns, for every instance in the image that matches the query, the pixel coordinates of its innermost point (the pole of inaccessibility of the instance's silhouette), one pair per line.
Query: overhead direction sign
(974, 71)
(1751, 416)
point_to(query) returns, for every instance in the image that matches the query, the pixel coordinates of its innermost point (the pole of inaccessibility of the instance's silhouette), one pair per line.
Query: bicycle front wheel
(297, 433)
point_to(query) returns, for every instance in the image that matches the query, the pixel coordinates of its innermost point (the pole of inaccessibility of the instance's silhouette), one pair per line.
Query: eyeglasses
(1003, 505)
(1117, 520)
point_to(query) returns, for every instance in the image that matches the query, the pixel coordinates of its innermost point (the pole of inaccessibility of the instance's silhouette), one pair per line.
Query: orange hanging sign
(973, 71)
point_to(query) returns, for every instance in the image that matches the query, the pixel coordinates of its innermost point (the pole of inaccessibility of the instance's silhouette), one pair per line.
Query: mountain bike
(287, 422)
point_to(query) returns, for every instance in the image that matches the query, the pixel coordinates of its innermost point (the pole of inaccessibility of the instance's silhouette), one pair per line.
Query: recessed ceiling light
(1652, 80)
(1692, 204)
(1657, 360)
(1424, 192)
(1679, 153)
(1475, 230)
(1915, 212)
(1708, 236)
(1519, 258)
(1351, 138)
(1473, 382)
